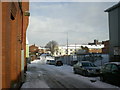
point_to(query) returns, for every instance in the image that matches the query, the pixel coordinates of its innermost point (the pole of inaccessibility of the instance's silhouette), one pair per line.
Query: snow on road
(41, 75)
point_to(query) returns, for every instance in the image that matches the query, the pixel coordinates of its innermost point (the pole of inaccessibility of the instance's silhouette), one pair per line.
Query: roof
(118, 63)
(113, 7)
(79, 46)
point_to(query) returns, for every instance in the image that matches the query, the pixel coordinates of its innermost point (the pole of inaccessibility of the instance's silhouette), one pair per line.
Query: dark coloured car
(59, 63)
(86, 68)
(111, 73)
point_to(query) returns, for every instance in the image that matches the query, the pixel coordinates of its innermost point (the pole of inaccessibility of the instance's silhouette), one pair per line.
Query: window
(13, 11)
(70, 49)
(108, 67)
(56, 53)
(114, 67)
(119, 67)
(85, 64)
(88, 65)
(78, 63)
(60, 53)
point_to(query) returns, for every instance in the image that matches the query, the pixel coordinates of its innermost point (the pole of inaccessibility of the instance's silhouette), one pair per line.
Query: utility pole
(67, 43)
(67, 49)
(75, 48)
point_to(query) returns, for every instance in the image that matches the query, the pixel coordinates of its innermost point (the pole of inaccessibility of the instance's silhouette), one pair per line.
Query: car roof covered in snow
(117, 63)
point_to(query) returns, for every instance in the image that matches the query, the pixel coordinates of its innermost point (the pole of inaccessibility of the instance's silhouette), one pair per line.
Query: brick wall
(105, 50)
(13, 41)
(33, 49)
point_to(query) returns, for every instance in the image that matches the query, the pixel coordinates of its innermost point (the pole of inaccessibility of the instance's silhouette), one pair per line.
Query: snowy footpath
(41, 75)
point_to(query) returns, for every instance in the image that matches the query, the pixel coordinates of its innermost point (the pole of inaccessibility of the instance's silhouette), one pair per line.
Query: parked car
(38, 57)
(86, 68)
(110, 73)
(59, 63)
(51, 62)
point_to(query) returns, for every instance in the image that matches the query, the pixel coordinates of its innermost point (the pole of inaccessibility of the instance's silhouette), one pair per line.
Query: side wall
(25, 8)
(12, 43)
(0, 44)
(114, 31)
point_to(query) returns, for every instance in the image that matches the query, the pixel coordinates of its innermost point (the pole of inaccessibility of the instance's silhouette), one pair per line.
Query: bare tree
(85, 48)
(53, 46)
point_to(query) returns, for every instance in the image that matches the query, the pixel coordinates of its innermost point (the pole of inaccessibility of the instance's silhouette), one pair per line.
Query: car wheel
(85, 73)
(102, 78)
(75, 71)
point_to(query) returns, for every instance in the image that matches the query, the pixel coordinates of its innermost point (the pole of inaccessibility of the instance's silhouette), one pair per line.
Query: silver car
(86, 68)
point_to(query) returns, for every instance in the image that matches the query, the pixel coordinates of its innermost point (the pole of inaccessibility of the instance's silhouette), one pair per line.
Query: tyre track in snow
(56, 79)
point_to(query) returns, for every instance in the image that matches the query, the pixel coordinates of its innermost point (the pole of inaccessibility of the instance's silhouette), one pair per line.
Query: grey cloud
(80, 20)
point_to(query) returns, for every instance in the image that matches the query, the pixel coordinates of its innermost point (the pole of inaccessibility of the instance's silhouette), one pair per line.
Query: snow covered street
(41, 75)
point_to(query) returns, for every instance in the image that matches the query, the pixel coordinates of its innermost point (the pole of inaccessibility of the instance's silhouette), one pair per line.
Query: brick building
(95, 50)
(96, 42)
(33, 50)
(105, 50)
(14, 24)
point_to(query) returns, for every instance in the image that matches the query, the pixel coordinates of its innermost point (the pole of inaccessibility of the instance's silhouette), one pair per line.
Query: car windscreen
(88, 65)
(52, 61)
(119, 67)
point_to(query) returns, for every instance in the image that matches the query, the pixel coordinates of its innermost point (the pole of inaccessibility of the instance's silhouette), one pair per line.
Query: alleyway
(41, 75)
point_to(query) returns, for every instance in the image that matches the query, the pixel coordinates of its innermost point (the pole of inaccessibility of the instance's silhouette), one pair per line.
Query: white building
(44, 50)
(72, 49)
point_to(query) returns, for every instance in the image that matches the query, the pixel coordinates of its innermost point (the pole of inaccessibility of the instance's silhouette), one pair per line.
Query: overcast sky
(83, 21)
